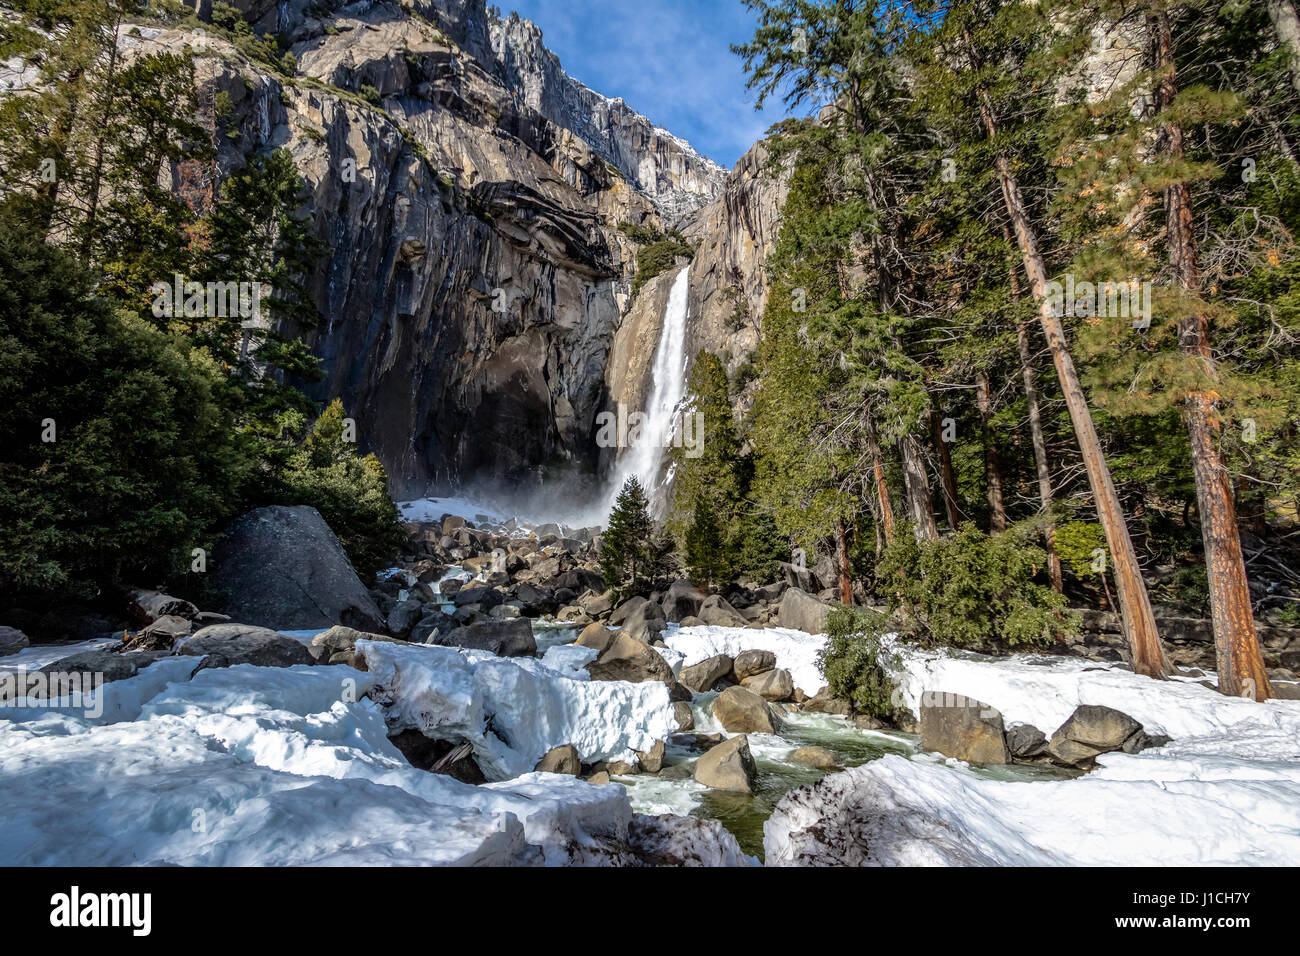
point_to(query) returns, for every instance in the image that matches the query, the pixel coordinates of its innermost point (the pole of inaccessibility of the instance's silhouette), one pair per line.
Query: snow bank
(1044, 691)
(277, 766)
(513, 710)
(1225, 791)
(795, 651)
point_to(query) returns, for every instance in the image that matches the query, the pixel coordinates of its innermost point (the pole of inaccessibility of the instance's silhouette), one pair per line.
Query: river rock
(1091, 730)
(682, 600)
(685, 718)
(109, 664)
(771, 685)
(824, 703)
(225, 645)
(12, 641)
(161, 635)
(963, 728)
(715, 610)
(338, 645)
(728, 766)
(652, 760)
(741, 711)
(817, 757)
(628, 659)
(284, 568)
(1025, 741)
(751, 662)
(596, 636)
(704, 675)
(508, 638)
(563, 759)
(802, 612)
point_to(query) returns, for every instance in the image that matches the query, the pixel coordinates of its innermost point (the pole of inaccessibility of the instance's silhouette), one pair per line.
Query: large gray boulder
(563, 759)
(1091, 730)
(12, 641)
(628, 659)
(771, 685)
(225, 645)
(717, 611)
(284, 569)
(505, 638)
(702, 676)
(741, 711)
(596, 636)
(109, 665)
(802, 612)
(728, 766)
(753, 661)
(682, 600)
(963, 728)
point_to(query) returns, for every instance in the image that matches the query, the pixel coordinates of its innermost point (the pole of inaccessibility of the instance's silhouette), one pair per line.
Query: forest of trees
(1032, 321)
(135, 418)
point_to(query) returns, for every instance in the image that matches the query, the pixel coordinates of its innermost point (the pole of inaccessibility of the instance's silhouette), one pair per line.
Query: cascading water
(644, 456)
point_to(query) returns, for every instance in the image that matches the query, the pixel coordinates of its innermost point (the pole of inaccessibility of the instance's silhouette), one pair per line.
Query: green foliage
(706, 551)
(626, 542)
(758, 547)
(1077, 543)
(855, 665)
(973, 589)
(350, 491)
(657, 257)
(712, 468)
(142, 462)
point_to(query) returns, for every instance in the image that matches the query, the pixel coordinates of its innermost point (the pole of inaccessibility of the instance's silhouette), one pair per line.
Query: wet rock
(652, 760)
(824, 703)
(682, 711)
(963, 728)
(817, 757)
(741, 711)
(628, 659)
(752, 662)
(1091, 730)
(563, 759)
(1025, 741)
(771, 685)
(706, 674)
(728, 766)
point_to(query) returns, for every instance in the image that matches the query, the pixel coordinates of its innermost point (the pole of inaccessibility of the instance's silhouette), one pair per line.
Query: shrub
(973, 589)
(855, 665)
(657, 257)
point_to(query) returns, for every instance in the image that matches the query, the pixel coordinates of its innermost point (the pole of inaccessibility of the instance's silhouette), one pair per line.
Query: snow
(432, 509)
(282, 766)
(796, 651)
(513, 710)
(1044, 691)
(1225, 791)
(36, 656)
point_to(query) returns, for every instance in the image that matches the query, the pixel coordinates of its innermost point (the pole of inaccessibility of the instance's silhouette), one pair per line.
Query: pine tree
(626, 543)
(706, 557)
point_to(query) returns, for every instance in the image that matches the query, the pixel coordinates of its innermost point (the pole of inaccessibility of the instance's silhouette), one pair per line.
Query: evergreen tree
(706, 554)
(626, 544)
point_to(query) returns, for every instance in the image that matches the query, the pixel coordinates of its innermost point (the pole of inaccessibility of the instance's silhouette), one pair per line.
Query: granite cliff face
(475, 306)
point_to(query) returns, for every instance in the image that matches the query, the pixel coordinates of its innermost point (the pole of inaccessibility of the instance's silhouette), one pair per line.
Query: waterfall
(644, 458)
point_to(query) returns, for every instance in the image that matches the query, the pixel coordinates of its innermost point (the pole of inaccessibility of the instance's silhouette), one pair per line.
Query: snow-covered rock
(795, 651)
(512, 711)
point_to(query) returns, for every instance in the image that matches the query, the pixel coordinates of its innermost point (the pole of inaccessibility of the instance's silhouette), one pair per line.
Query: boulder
(685, 719)
(771, 685)
(161, 635)
(824, 703)
(817, 757)
(12, 641)
(454, 760)
(682, 600)
(505, 638)
(652, 760)
(597, 604)
(867, 722)
(338, 645)
(741, 711)
(563, 759)
(599, 778)
(147, 606)
(110, 665)
(802, 612)
(797, 577)
(404, 616)
(751, 662)
(628, 659)
(284, 568)
(595, 636)
(963, 728)
(225, 645)
(1091, 730)
(719, 612)
(728, 766)
(636, 609)
(704, 675)
(1025, 741)
(486, 598)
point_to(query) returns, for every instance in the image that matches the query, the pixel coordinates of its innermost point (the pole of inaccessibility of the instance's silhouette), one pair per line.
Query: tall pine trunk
(1240, 664)
(916, 485)
(878, 473)
(1287, 26)
(947, 476)
(1139, 623)
(992, 467)
(842, 562)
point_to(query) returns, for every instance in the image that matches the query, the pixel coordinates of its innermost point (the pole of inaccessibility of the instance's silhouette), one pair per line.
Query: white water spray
(668, 389)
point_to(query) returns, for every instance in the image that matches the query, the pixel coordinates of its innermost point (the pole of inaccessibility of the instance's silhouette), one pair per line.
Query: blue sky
(669, 59)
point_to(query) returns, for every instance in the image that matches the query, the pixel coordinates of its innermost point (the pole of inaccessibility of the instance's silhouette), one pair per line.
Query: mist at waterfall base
(565, 495)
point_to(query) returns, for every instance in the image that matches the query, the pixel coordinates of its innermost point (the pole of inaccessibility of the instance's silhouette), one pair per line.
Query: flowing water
(644, 457)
